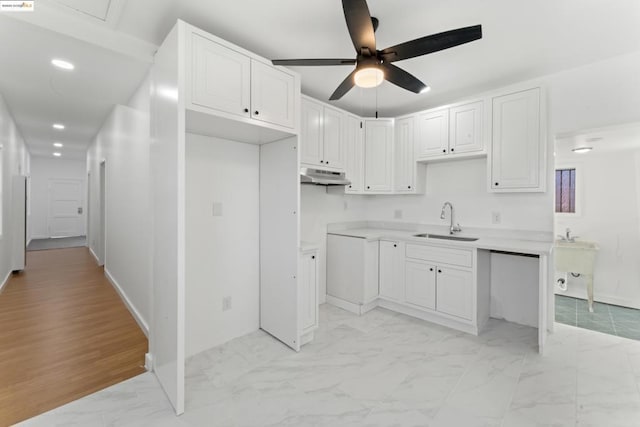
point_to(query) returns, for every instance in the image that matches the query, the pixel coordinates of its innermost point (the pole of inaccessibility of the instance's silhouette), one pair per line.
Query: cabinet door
(433, 133)
(220, 77)
(272, 95)
(311, 132)
(455, 292)
(404, 156)
(465, 130)
(391, 270)
(420, 283)
(333, 138)
(308, 291)
(516, 151)
(352, 146)
(378, 155)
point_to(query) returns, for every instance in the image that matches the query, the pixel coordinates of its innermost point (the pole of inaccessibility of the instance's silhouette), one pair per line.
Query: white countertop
(532, 243)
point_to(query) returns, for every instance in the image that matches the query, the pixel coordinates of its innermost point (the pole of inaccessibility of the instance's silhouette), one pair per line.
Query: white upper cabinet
(221, 77)
(433, 133)
(272, 95)
(322, 135)
(311, 132)
(333, 137)
(465, 128)
(232, 82)
(405, 160)
(454, 131)
(378, 156)
(353, 151)
(517, 160)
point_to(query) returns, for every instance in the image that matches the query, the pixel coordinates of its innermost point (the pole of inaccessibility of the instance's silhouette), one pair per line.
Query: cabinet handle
(444, 151)
(321, 161)
(439, 271)
(368, 187)
(409, 187)
(313, 257)
(395, 246)
(452, 150)
(497, 184)
(350, 186)
(256, 112)
(246, 110)
(431, 269)
(327, 162)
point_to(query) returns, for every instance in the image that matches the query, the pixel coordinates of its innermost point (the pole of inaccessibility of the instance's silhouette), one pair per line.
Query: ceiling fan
(373, 66)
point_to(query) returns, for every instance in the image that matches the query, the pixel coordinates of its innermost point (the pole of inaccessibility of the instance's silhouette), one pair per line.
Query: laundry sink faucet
(567, 236)
(452, 228)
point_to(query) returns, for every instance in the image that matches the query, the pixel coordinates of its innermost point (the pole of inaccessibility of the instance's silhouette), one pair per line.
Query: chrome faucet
(568, 237)
(452, 228)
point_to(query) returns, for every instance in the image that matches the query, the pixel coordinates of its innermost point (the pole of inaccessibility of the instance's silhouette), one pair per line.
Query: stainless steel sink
(446, 237)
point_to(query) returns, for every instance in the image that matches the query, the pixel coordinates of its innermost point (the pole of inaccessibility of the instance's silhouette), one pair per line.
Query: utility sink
(575, 257)
(446, 237)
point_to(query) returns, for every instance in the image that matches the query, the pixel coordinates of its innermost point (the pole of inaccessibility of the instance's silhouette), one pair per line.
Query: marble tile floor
(387, 369)
(607, 318)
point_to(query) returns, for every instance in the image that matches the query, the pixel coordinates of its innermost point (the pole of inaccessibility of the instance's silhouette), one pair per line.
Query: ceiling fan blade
(304, 62)
(356, 13)
(401, 78)
(344, 87)
(432, 43)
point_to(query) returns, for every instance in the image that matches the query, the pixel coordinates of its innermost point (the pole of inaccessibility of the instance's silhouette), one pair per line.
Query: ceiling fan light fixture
(426, 89)
(368, 77)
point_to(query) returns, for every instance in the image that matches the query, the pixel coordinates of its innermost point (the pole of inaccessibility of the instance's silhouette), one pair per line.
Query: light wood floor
(64, 334)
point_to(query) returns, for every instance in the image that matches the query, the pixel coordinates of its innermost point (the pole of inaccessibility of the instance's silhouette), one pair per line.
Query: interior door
(66, 217)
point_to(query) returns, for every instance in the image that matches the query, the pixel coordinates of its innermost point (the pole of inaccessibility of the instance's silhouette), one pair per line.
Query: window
(566, 190)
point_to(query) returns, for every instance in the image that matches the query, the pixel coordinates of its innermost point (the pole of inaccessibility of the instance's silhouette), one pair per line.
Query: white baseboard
(425, 315)
(148, 362)
(132, 309)
(94, 255)
(352, 307)
(5, 281)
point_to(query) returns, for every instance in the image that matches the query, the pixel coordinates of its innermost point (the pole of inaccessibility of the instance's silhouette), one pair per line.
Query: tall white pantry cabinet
(204, 87)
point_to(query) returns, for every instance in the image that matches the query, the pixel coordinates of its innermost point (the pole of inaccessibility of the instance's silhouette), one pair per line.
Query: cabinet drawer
(438, 254)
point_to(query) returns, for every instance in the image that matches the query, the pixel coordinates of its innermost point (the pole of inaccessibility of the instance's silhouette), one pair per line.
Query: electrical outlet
(397, 214)
(226, 303)
(496, 218)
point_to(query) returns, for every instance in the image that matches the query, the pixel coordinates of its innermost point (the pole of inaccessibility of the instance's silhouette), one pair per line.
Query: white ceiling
(522, 39)
(602, 140)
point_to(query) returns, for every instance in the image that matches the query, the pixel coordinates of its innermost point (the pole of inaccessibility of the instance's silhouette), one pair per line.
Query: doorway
(597, 224)
(66, 218)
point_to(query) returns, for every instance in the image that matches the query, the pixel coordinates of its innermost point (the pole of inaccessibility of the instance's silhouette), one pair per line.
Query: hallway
(64, 334)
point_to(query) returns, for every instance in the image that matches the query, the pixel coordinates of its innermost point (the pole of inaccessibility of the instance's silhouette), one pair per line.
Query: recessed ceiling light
(58, 144)
(58, 126)
(61, 63)
(581, 150)
(57, 154)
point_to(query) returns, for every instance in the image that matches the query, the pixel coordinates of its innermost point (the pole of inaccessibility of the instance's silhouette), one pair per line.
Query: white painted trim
(5, 281)
(429, 317)
(132, 309)
(94, 255)
(148, 362)
(352, 307)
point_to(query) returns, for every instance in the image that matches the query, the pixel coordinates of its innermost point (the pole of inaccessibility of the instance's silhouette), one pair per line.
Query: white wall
(44, 169)
(15, 161)
(222, 248)
(610, 216)
(124, 143)
(321, 206)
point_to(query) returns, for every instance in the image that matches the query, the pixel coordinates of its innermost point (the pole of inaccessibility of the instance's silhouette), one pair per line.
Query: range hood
(322, 177)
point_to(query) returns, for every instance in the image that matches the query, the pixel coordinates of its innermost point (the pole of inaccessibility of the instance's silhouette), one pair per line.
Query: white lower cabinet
(308, 295)
(454, 292)
(392, 270)
(420, 283)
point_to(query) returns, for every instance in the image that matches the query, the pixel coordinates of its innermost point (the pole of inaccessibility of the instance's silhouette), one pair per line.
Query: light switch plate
(496, 218)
